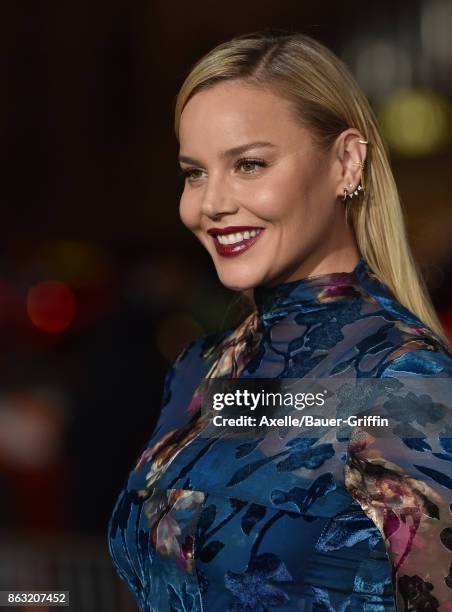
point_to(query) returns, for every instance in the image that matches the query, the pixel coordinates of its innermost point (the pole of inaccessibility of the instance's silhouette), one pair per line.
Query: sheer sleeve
(401, 475)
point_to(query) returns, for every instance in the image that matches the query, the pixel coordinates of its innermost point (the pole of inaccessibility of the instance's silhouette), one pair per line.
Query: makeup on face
(232, 241)
(256, 194)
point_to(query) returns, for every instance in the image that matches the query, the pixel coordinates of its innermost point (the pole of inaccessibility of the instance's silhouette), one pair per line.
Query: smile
(233, 241)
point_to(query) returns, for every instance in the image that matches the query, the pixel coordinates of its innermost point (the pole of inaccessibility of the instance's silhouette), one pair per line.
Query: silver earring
(352, 193)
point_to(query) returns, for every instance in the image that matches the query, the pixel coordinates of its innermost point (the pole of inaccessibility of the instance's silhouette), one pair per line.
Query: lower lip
(232, 250)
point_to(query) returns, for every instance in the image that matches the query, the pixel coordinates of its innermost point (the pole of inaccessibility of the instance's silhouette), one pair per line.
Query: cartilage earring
(361, 165)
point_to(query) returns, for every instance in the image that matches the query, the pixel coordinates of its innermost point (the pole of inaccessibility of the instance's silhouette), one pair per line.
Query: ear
(349, 150)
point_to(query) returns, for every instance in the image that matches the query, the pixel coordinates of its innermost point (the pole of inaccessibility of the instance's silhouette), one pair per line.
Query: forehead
(231, 113)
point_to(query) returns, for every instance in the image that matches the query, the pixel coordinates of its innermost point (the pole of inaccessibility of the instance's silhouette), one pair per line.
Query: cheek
(189, 212)
(278, 199)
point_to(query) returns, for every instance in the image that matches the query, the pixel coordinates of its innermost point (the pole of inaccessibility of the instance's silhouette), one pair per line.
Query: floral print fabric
(287, 522)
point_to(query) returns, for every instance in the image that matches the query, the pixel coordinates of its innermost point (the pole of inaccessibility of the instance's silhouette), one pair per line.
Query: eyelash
(186, 173)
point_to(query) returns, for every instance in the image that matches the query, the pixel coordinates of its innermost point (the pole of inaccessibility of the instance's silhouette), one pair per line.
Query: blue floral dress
(291, 523)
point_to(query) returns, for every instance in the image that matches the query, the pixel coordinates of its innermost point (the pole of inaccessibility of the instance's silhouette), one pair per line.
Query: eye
(250, 166)
(191, 174)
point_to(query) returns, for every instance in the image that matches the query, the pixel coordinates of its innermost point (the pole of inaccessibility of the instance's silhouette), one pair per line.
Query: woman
(288, 187)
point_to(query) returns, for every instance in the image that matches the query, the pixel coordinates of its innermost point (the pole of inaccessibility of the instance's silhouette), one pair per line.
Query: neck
(341, 260)
(316, 292)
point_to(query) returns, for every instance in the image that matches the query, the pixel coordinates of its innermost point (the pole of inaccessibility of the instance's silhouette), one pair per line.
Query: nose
(217, 200)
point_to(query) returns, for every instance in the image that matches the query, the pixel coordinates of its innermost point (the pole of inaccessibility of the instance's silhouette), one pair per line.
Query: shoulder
(432, 361)
(199, 350)
(416, 349)
(412, 347)
(191, 362)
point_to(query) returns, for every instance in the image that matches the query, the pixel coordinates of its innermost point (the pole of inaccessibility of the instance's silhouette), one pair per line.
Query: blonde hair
(328, 100)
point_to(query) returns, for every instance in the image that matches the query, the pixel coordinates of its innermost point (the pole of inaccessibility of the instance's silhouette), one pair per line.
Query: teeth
(237, 237)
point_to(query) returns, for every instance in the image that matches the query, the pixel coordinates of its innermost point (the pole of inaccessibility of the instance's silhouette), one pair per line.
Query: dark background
(89, 199)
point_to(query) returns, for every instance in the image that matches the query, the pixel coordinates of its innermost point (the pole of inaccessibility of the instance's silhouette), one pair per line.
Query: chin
(239, 281)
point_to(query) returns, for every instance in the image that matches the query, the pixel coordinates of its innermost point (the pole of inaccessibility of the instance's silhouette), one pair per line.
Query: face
(259, 194)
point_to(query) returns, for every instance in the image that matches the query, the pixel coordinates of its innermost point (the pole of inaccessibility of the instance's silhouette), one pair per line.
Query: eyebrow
(230, 152)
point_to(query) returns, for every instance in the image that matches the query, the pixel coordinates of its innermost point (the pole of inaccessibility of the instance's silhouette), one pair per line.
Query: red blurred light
(51, 306)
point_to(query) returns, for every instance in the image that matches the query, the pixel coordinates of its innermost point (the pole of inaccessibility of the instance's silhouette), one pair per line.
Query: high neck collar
(312, 290)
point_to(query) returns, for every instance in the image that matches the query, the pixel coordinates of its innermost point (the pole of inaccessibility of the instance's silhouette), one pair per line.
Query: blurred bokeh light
(51, 305)
(415, 123)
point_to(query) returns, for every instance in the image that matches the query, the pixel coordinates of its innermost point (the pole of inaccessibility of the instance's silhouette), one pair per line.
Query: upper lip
(231, 229)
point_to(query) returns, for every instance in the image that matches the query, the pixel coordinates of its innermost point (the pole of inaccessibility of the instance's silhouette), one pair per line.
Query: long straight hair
(328, 100)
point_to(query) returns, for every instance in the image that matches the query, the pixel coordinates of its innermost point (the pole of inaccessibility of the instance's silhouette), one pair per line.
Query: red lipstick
(237, 247)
